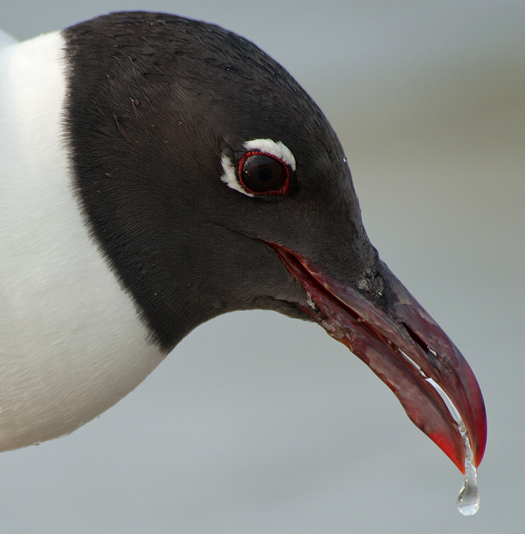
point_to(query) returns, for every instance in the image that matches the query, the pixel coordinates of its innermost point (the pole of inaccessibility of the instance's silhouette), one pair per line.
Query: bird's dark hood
(163, 114)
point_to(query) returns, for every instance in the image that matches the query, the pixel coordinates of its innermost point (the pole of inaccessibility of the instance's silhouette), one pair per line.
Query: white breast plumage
(72, 341)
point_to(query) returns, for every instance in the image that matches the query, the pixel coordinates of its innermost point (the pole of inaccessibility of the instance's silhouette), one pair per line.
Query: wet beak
(389, 330)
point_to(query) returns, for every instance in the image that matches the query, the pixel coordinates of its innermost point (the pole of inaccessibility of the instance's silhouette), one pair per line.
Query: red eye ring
(283, 187)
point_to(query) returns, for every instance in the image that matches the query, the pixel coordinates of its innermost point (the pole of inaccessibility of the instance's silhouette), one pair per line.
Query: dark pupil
(263, 174)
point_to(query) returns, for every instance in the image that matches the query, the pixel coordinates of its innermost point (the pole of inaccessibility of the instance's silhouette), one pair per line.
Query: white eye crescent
(277, 149)
(271, 179)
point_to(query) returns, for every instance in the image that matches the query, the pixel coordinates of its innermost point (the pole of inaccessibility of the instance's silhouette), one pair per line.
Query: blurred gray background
(264, 425)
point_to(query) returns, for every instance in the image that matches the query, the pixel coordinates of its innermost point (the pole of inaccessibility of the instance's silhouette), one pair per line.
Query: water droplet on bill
(468, 498)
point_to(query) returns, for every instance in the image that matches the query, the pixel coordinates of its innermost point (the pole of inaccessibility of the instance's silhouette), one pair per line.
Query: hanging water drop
(468, 498)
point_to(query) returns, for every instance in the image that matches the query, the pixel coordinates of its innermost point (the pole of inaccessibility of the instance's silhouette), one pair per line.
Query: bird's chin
(383, 325)
(295, 310)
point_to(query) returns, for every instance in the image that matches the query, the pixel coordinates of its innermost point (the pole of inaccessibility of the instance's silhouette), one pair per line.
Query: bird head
(213, 183)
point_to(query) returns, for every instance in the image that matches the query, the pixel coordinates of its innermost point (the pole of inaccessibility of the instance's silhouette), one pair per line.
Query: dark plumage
(156, 100)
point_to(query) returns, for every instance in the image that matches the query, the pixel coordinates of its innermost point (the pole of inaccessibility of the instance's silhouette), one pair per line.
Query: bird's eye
(264, 174)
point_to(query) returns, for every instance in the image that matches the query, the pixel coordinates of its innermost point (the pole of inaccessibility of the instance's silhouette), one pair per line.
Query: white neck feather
(71, 342)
